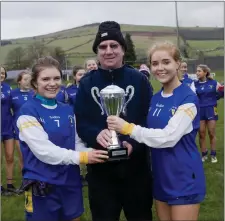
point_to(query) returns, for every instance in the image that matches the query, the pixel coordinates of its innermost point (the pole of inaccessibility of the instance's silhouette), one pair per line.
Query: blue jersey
(19, 98)
(62, 95)
(72, 91)
(177, 171)
(59, 124)
(207, 92)
(6, 114)
(186, 80)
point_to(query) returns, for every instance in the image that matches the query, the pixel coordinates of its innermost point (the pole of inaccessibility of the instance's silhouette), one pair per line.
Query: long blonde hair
(171, 48)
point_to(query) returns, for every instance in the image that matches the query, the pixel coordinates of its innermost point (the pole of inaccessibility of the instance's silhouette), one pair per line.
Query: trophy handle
(93, 90)
(131, 88)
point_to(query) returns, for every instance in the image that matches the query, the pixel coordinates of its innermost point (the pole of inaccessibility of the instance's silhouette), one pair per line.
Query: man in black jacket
(124, 184)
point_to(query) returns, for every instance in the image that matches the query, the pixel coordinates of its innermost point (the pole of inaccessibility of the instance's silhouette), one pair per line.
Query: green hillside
(77, 42)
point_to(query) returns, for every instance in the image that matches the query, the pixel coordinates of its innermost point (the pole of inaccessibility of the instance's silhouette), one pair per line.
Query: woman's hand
(93, 156)
(115, 123)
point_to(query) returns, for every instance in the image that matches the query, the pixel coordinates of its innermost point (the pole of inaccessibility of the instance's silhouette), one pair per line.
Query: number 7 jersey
(57, 123)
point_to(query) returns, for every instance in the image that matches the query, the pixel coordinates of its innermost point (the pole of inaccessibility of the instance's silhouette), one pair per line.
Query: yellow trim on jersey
(127, 129)
(188, 111)
(29, 201)
(29, 124)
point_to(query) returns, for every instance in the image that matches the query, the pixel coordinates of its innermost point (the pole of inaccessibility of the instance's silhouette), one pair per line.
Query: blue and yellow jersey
(207, 92)
(176, 166)
(52, 127)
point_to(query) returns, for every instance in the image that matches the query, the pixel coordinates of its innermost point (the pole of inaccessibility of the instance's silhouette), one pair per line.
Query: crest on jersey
(173, 110)
(210, 86)
(71, 119)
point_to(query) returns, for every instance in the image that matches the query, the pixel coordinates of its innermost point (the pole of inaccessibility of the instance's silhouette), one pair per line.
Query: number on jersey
(156, 112)
(58, 124)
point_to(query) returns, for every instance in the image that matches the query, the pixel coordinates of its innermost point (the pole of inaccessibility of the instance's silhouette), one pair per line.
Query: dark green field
(212, 208)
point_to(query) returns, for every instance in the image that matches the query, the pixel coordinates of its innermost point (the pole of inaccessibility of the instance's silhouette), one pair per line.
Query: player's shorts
(61, 203)
(208, 113)
(7, 131)
(7, 137)
(186, 200)
(16, 131)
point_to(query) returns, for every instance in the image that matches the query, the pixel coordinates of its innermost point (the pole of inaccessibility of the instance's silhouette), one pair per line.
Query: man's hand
(104, 138)
(128, 146)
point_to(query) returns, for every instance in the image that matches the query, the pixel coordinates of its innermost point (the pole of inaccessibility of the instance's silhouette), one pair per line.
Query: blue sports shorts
(186, 200)
(61, 203)
(208, 113)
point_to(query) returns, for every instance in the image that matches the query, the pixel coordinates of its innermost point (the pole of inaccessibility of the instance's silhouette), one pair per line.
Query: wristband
(83, 157)
(127, 129)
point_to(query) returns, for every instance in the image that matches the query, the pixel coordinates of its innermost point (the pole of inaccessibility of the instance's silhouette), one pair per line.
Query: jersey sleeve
(33, 134)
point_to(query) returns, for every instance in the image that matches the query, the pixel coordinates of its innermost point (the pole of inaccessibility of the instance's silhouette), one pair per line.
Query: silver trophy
(112, 100)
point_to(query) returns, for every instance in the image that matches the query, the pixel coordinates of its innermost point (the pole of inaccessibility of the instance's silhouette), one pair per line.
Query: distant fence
(214, 63)
(201, 35)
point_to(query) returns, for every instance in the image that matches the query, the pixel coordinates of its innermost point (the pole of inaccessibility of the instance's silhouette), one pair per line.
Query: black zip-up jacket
(90, 122)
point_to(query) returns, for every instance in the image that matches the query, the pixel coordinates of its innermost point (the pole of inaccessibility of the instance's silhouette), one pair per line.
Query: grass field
(212, 208)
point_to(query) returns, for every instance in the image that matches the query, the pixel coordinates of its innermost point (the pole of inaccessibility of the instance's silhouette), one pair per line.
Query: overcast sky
(25, 19)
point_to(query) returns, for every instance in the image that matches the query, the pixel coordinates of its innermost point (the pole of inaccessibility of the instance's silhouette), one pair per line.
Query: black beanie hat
(109, 30)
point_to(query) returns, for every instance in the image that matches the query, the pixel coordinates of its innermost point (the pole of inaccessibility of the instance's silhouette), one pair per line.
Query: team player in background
(62, 95)
(71, 90)
(184, 78)
(206, 89)
(173, 123)
(51, 149)
(78, 73)
(145, 70)
(19, 97)
(90, 64)
(7, 134)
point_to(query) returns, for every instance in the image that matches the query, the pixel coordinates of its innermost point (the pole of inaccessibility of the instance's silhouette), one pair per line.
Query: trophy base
(118, 154)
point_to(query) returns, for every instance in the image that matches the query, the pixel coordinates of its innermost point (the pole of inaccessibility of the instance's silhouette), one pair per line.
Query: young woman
(19, 97)
(184, 76)
(62, 95)
(71, 90)
(145, 70)
(7, 134)
(90, 64)
(173, 122)
(206, 89)
(51, 150)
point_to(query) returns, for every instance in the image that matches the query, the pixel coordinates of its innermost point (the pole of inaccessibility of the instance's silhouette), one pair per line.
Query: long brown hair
(42, 64)
(21, 74)
(206, 70)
